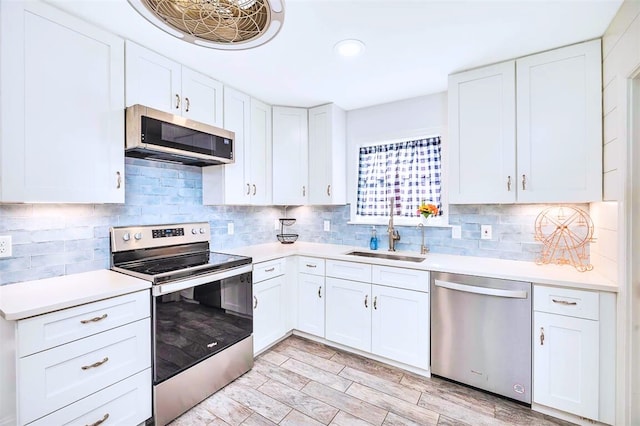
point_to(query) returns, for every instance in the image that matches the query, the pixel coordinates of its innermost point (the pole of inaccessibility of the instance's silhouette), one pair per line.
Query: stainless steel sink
(389, 256)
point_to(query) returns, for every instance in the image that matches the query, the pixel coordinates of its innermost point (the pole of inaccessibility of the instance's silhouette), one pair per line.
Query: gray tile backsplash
(58, 239)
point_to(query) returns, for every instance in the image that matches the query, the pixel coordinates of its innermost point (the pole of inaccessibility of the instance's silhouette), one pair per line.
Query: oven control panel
(167, 232)
(149, 236)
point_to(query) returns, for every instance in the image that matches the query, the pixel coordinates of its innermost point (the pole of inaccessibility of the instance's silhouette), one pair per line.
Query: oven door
(193, 323)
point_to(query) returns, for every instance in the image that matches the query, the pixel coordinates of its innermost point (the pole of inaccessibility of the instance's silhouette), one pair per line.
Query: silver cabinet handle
(320, 292)
(188, 104)
(96, 319)
(524, 182)
(118, 180)
(248, 189)
(254, 189)
(514, 294)
(255, 302)
(270, 269)
(304, 191)
(310, 265)
(99, 422)
(509, 183)
(375, 302)
(95, 364)
(329, 190)
(177, 101)
(541, 336)
(366, 301)
(564, 302)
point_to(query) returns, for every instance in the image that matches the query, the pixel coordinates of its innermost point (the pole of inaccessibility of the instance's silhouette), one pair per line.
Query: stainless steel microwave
(157, 135)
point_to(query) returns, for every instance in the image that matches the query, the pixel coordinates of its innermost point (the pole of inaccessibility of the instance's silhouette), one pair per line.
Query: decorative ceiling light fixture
(218, 24)
(349, 47)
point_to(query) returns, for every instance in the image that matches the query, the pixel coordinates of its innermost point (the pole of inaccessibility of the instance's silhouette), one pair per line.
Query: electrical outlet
(230, 228)
(327, 225)
(456, 232)
(485, 232)
(5, 246)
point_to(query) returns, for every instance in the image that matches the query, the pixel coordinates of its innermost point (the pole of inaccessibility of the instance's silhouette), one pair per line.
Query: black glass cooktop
(171, 268)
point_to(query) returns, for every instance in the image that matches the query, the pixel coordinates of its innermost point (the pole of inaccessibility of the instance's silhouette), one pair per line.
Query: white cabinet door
(400, 325)
(290, 156)
(202, 98)
(259, 153)
(153, 80)
(327, 155)
(565, 363)
(62, 121)
(268, 313)
(311, 296)
(560, 125)
(482, 135)
(348, 313)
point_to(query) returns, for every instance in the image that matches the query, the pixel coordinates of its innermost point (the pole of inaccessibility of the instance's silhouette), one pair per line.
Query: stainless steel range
(202, 311)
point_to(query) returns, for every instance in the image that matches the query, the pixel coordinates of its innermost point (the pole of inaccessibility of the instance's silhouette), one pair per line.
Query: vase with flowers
(427, 210)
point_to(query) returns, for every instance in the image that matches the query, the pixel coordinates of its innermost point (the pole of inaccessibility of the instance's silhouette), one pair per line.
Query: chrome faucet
(394, 235)
(423, 248)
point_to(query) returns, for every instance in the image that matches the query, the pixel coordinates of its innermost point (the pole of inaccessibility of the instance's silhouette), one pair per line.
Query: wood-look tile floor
(301, 382)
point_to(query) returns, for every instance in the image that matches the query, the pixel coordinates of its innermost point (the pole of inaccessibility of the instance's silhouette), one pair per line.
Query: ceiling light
(349, 47)
(218, 24)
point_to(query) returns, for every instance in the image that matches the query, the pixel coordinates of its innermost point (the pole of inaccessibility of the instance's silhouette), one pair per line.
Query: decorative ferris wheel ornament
(564, 232)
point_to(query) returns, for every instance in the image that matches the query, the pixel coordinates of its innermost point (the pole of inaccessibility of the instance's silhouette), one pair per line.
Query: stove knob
(137, 235)
(126, 236)
(194, 231)
(202, 230)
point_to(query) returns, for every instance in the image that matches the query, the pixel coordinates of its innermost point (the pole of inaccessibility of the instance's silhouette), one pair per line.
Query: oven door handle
(514, 294)
(161, 289)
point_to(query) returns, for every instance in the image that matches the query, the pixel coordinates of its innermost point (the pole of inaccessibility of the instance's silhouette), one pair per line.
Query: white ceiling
(411, 45)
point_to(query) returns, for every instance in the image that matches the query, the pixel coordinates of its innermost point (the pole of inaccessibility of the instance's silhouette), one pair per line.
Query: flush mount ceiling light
(218, 24)
(349, 48)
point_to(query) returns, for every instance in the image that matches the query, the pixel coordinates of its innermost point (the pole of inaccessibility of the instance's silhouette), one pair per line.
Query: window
(407, 171)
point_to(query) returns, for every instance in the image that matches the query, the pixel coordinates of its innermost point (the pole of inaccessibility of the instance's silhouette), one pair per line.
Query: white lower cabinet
(311, 297)
(385, 320)
(88, 364)
(574, 352)
(269, 321)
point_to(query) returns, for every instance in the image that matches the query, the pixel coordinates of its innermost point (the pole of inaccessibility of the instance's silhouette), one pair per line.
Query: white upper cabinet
(327, 155)
(290, 156)
(248, 180)
(559, 106)
(62, 120)
(158, 82)
(550, 150)
(482, 135)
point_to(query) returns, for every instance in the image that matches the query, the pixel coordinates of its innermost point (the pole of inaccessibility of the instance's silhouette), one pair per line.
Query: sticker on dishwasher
(518, 388)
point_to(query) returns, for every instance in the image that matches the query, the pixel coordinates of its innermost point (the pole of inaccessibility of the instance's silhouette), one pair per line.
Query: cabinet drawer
(566, 301)
(56, 328)
(126, 403)
(265, 270)
(50, 380)
(410, 279)
(349, 270)
(311, 265)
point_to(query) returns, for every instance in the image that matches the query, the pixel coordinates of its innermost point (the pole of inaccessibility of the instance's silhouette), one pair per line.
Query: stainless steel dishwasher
(481, 333)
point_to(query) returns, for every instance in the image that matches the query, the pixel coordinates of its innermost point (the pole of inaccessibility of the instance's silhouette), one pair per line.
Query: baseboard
(562, 415)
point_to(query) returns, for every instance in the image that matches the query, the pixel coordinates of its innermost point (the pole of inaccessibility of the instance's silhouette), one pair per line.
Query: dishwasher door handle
(513, 294)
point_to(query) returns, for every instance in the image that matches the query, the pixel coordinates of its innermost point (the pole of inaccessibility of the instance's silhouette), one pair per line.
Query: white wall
(621, 61)
(421, 116)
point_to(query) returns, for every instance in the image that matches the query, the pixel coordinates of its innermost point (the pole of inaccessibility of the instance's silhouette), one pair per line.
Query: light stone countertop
(30, 298)
(555, 275)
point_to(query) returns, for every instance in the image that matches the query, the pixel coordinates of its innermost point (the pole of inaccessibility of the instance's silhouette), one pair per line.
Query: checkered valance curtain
(408, 172)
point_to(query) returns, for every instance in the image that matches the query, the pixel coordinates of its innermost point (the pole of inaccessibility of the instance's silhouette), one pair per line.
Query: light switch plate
(230, 228)
(5, 246)
(327, 225)
(456, 232)
(485, 232)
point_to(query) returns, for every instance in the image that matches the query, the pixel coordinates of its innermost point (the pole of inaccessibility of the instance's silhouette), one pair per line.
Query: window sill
(440, 222)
